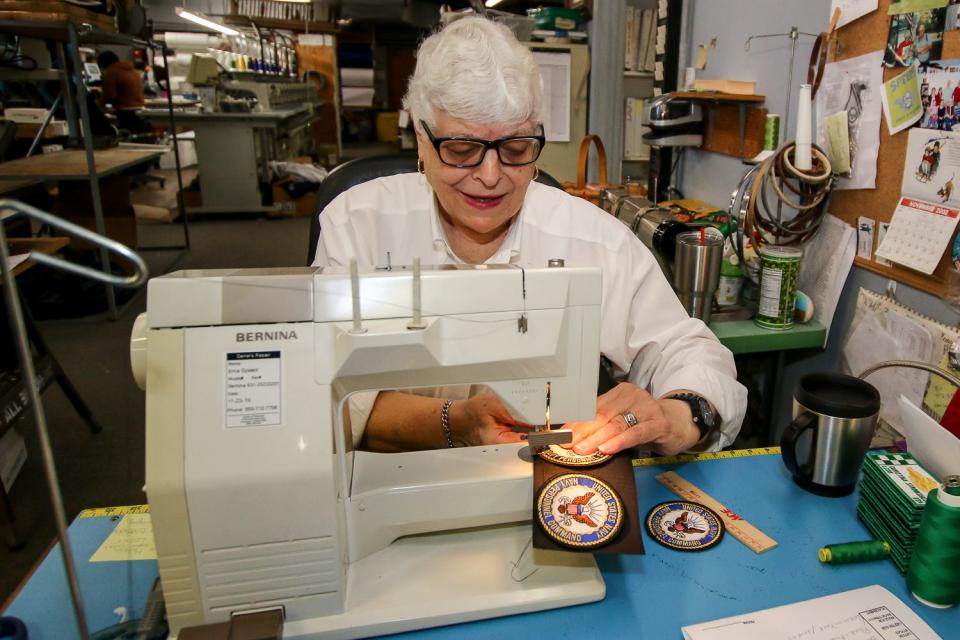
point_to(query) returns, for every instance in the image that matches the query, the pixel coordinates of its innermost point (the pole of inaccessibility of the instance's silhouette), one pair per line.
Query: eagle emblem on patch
(684, 526)
(569, 458)
(579, 511)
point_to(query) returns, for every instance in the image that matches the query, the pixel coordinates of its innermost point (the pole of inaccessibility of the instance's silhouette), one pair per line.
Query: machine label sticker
(579, 511)
(684, 526)
(253, 389)
(569, 458)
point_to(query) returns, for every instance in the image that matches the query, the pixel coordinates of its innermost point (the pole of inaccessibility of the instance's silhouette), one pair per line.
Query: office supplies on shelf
(871, 612)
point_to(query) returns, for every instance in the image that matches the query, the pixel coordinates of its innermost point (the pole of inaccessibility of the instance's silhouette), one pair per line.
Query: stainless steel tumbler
(696, 270)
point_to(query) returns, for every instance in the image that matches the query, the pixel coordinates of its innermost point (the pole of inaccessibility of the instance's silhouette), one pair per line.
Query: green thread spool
(771, 132)
(933, 578)
(850, 552)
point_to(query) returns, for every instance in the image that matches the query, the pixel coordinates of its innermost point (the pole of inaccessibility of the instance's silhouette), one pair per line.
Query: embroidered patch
(569, 458)
(579, 511)
(684, 526)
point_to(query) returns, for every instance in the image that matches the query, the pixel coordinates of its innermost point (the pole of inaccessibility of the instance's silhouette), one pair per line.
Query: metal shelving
(68, 38)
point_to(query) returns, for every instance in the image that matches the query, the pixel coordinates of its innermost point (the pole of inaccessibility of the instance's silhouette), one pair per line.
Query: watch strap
(696, 408)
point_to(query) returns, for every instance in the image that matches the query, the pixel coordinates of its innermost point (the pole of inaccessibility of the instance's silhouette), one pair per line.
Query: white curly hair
(475, 70)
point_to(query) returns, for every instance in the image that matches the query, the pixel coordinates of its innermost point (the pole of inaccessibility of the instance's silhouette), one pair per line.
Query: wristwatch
(705, 419)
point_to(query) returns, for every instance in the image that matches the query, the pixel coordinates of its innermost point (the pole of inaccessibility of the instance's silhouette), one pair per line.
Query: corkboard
(861, 36)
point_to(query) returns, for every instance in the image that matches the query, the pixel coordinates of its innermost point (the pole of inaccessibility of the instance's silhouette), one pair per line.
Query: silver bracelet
(445, 422)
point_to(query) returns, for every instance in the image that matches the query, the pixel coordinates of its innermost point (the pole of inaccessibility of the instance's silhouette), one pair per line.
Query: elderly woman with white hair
(475, 100)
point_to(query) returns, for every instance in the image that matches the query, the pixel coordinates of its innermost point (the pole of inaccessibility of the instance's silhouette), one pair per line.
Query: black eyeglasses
(463, 152)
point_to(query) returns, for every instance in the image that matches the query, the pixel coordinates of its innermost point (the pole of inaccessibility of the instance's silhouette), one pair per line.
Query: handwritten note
(870, 613)
(131, 539)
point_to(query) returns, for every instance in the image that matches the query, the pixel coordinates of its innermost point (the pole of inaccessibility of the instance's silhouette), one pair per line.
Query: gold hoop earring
(536, 172)
(420, 165)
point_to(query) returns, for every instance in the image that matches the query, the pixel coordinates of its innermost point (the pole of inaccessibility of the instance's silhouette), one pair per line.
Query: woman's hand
(666, 424)
(483, 419)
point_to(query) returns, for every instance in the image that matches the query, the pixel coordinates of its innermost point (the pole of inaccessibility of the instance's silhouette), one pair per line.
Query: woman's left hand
(665, 424)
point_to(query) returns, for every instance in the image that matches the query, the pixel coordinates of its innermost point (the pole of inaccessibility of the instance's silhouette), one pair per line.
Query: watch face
(708, 417)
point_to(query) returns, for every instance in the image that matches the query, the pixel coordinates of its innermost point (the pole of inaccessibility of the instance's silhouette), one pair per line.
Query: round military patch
(684, 526)
(579, 511)
(569, 458)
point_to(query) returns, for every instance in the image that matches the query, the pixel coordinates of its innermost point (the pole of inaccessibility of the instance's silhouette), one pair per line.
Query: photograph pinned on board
(915, 37)
(940, 96)
(910, 6)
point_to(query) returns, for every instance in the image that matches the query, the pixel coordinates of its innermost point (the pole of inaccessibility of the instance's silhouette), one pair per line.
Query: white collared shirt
(646, 333)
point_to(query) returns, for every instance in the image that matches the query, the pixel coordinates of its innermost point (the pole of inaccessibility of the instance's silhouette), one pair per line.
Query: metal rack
(68, 37)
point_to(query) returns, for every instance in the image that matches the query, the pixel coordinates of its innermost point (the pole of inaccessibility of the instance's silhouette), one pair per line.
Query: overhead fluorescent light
(492, 3)
(198, 18)
(297, 1)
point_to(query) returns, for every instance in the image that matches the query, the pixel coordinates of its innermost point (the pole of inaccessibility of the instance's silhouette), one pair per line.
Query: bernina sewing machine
(258, 498)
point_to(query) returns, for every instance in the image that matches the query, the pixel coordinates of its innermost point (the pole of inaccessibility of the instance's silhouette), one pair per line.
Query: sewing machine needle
(547, 422)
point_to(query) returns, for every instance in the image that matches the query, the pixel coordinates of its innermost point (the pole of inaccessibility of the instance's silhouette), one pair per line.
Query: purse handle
(582, 162)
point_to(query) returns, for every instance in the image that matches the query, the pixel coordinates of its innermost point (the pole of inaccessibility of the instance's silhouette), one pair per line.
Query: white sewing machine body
(256, 495)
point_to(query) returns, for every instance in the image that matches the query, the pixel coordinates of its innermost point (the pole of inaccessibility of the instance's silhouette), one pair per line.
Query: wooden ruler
(699, 457)
(103, 512)
(756, 540)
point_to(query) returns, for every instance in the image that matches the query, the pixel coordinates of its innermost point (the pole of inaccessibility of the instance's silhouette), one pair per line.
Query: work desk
(648, 597)
(234, 151)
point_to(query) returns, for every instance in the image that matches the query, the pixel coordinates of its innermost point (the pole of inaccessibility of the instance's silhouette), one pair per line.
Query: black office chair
(361, 170)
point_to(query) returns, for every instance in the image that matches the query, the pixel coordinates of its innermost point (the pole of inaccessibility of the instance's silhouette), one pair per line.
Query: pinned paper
(939, 392)
(702, 56)
(131, 539)
(835, 128)
(901, 100)
(865, 229)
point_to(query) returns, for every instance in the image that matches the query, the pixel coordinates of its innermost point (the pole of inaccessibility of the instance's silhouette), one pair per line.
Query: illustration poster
(932, 167)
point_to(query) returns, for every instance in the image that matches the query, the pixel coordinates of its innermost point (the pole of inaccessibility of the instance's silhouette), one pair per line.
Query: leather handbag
(602, 193)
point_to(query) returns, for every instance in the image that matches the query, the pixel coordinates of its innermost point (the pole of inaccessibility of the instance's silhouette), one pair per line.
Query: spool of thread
(850, 552)
(933, 578)
(771, 132)
(803, 154)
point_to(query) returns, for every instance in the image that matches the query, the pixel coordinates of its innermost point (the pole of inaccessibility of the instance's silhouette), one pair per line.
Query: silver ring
(630, 419)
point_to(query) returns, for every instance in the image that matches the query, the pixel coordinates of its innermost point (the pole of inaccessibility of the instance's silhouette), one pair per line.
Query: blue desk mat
(649, 597)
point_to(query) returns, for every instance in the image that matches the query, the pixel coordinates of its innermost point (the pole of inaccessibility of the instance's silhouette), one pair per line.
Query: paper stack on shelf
(634, 148)
(641, 26)
(356, 87)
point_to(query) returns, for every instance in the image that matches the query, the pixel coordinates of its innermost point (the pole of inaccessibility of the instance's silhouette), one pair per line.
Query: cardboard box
(286, 205)
(738, 87)
(13, 453)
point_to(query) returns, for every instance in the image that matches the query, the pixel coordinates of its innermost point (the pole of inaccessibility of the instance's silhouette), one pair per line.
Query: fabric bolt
(645, 333)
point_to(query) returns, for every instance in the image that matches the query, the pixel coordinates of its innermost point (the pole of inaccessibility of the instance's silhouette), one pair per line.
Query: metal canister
(779, 271)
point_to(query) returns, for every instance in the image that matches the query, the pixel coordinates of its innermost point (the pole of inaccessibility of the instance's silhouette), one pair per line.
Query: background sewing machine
(257, 496)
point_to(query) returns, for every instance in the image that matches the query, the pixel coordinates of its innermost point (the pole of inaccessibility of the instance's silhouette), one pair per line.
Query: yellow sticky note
(131, 539)
(702, 56)
(939, 393)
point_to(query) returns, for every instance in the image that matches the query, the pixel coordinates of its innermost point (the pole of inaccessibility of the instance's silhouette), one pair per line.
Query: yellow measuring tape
(699, 457)
(102, 512)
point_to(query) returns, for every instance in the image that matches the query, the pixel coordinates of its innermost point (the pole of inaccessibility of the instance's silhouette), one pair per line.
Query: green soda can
(779, 271)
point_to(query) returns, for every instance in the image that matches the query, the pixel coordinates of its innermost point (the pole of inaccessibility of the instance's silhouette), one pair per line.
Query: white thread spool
(803, 153)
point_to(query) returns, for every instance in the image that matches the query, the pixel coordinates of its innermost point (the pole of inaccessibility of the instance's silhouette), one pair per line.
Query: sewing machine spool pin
(355, 292)
(417, 321)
